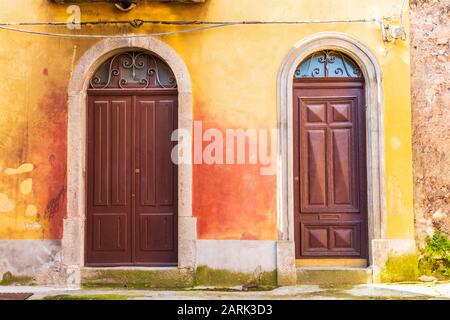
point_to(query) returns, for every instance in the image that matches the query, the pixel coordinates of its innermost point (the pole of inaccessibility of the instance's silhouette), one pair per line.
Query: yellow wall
(234, 73)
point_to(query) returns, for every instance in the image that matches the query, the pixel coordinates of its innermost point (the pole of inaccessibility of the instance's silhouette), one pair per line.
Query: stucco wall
(431, 115)
(234, 74)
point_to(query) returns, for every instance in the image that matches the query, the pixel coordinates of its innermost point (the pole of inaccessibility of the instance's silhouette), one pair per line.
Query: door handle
(296, 179)
(137, 170)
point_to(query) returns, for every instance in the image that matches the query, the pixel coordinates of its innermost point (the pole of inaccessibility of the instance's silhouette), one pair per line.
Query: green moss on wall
(89, 297)
(205, 276)
(138, 279)
(400, 268)
(177, 279)
(8, 279)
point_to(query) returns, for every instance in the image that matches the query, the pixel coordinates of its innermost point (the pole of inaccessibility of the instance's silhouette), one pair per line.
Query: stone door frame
(73, 241)
(371, 70)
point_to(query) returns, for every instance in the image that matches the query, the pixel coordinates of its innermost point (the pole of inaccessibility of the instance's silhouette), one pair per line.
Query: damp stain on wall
(233, 201)
(33, 181)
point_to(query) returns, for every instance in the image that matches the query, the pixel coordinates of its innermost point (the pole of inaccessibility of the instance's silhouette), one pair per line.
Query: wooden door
(155, 235)
(131, 180)
(330, 168)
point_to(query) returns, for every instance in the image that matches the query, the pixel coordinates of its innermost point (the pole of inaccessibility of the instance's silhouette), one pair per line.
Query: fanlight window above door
(133, 70)
(328, 64)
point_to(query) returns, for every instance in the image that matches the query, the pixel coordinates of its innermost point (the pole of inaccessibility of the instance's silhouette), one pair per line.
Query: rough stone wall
(430, 31)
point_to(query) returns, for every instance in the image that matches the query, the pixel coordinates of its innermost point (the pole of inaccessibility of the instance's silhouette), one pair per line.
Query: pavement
(403, 291)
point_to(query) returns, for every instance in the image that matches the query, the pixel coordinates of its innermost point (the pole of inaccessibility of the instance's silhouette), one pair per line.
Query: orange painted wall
(234, 78)
(233, 201)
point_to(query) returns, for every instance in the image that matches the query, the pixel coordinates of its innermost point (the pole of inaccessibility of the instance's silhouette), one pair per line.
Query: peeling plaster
(6, 204)
(26, 167)
(26, 186)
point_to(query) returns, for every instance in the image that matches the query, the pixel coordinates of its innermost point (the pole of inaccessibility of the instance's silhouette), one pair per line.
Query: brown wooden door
(131, 180)
(156, 180)
(330, 168)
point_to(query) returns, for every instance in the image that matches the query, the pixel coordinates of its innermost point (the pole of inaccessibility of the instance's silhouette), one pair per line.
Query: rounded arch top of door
(328, 64)
(133, 70)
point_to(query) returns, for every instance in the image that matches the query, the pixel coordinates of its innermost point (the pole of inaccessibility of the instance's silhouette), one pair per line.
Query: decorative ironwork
(134, 69)
(328, 64)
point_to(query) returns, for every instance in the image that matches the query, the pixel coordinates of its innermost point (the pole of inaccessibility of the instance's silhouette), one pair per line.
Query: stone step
(136, 278)
(333, 275)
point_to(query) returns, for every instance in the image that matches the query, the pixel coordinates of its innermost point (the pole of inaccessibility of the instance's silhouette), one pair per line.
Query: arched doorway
(376, 195)
(329, 158)
(73, 257)
(131, 189)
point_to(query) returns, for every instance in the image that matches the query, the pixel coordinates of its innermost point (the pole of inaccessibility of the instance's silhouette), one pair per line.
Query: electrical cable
(137, 23)
(97, 36)
(178, 22)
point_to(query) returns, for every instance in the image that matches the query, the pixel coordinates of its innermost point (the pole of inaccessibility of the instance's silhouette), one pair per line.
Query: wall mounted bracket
(392, 30)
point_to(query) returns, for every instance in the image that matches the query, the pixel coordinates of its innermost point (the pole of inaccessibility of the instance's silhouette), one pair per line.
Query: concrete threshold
(351, 263)
(334, 275)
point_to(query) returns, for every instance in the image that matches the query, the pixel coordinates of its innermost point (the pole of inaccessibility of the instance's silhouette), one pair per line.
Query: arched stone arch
(374, 141)
(74, 224)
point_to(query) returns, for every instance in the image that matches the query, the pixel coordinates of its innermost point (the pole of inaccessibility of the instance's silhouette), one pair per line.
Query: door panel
(147, 141)
(109, 232)
(330, 239)
(164, 127)
(109, 179)
(341, 166)
(157, 232)
(132, 182)
(110, 152)
(156, 180)
(329, 169)
(314, 177)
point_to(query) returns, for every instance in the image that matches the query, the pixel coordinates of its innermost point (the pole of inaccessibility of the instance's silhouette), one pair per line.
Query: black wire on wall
(136, 23)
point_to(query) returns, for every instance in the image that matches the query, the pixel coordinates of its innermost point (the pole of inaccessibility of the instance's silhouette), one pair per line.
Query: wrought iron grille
(134, 69)
(328, 64)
